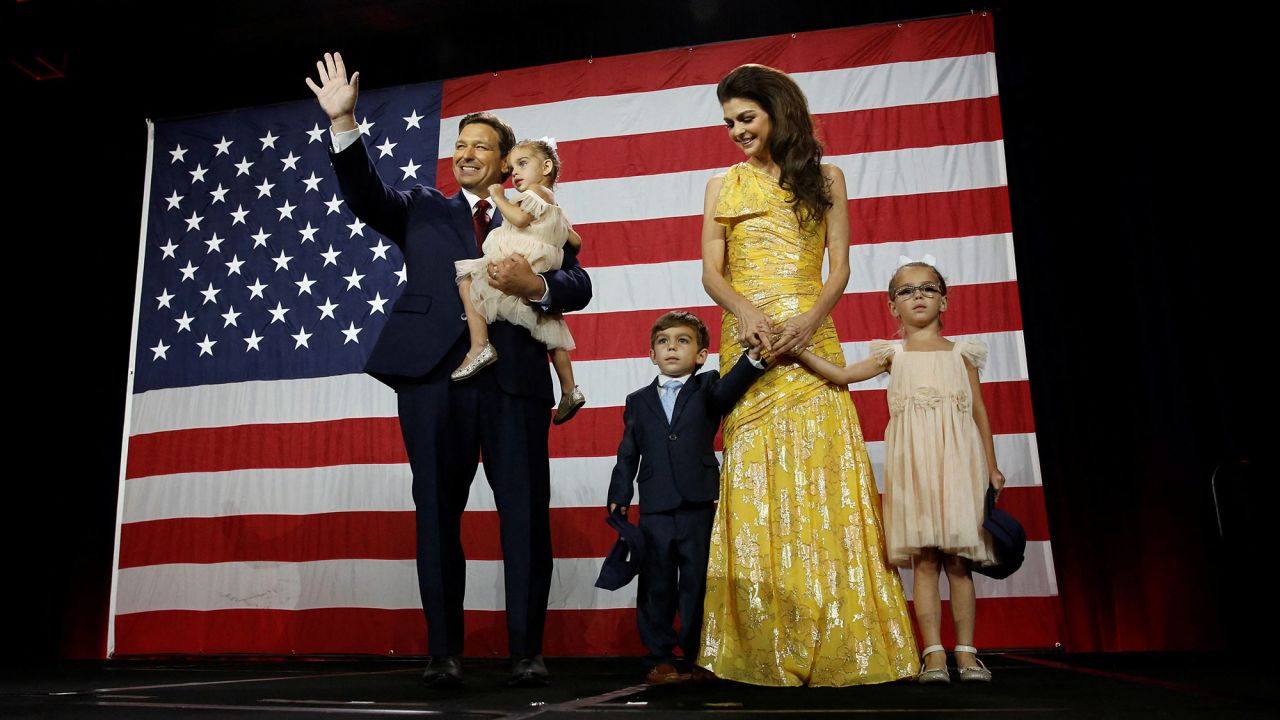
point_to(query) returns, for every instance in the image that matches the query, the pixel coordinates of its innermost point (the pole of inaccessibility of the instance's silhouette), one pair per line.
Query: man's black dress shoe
(529, 672)
(443, 671)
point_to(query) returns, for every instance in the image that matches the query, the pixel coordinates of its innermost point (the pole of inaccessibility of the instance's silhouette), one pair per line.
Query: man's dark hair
(506, 136)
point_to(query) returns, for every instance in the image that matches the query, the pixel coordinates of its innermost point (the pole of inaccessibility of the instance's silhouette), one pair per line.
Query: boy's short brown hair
(680, 318)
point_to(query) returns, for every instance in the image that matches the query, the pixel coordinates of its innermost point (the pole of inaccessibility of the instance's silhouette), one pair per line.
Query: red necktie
(480, 222)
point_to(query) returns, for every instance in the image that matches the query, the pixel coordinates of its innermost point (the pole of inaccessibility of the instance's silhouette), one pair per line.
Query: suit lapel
(460, 213)
(649, 398)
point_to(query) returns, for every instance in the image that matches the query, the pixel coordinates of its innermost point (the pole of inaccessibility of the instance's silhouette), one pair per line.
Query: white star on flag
(224, 147)
(316, 134)
(197, 175)
(380, 250)
(331, 257)
(210, 295)
(242, 167)
(353, 280)
(365, 126)
(178, 153)
(184, 322)
(410, 170)
(375, 305)
(160, 349)
(286, 210)
(219, 195)
(385, 148)
(357, 228)
(206, 347)
(312, 183)
(264, 190)
(252, 341)
(238, 215)
(255, 290)
(229, 317)
(164, 297)
(174, 200)
(168, 249)
(282, 262)
(412, 120)
(403, 274)
(188, 272)
(214, 243)
(326, 310)
(353, 334)
(308, 233)
(301, 338)
(334, 205)
(193, 222)
(260, 240)
(304, 285)
(269, 141)
(233, 267)
(290, 161)
(278, 312)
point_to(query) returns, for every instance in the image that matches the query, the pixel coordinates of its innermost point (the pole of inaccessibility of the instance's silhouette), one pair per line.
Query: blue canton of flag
(255, 268)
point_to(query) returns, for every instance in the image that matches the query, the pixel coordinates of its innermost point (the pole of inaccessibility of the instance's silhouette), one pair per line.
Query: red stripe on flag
(351, 441)
(575, 533)
(361, 630)
(705, 65)
(857, 131)
(983, 308)
(897, 218)
(242, 447)
(1018, 622)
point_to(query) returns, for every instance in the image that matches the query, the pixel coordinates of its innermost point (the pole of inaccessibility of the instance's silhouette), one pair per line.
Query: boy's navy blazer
(434, 230)
(677, 460)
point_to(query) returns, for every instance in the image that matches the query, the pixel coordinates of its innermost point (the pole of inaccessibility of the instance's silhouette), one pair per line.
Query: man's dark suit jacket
(677, 460)
(434, 230)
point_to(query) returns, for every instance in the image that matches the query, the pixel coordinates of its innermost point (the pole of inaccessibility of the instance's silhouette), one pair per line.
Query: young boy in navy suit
(668, 435)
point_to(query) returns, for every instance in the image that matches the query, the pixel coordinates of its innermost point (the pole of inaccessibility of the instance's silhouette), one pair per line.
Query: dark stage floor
(1026, 685)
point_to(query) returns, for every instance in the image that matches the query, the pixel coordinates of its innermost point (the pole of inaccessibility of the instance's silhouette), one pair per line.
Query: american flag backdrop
(264, 502)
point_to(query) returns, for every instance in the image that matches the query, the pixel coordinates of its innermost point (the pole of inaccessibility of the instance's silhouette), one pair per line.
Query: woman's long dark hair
(792, 143)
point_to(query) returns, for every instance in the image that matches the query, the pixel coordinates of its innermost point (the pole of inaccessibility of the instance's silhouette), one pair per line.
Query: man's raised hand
(337, 94)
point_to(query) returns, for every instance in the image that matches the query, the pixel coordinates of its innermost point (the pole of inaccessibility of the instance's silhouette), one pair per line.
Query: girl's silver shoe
(972, 674)
(483, 359)
(935, 676)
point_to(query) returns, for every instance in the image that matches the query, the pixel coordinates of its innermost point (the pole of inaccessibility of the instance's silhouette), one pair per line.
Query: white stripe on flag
(575, 482)
(262, 402)
(388, 584)
(944, 168)
(862, 88)
(393, 584)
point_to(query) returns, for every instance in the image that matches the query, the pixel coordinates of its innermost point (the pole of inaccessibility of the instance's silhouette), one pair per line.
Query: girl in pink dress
(939, 460)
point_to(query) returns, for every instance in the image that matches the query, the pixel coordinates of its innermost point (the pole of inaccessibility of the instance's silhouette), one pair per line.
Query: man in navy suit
(502, 413)
(669, 430)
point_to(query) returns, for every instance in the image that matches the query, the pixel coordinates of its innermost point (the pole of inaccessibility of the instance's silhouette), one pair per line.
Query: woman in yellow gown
(799, 591)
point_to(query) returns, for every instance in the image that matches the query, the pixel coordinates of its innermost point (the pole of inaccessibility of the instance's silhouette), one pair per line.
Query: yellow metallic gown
(799, 591)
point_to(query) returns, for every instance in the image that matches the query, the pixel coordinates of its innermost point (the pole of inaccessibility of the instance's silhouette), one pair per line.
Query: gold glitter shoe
(569, 405)
(972, 674)
(483, 359)
(934, 676)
